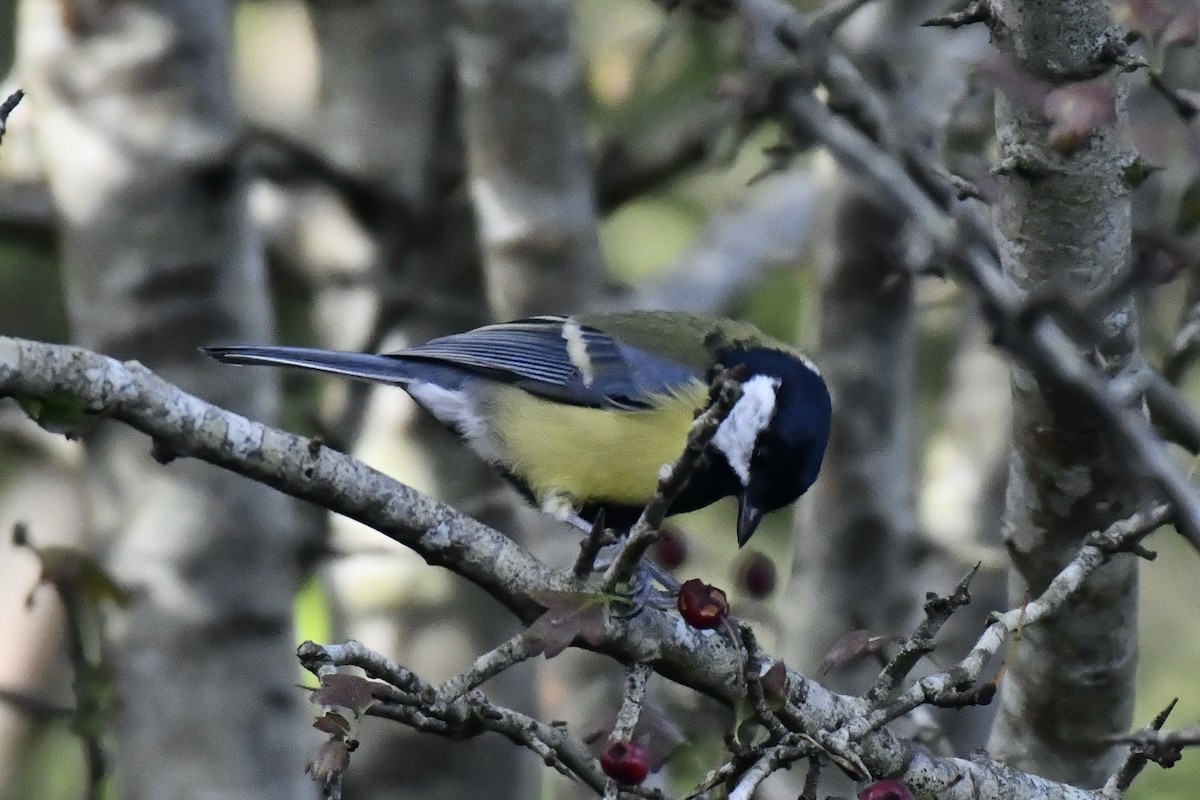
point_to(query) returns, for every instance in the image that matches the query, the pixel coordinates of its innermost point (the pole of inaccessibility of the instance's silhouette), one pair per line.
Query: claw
(643, 593)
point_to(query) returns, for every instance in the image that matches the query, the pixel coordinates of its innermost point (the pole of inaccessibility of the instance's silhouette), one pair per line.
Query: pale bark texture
(1064, 230)
(702, 660)
(530, 180)
(388, 117)
(136, 124)
(382, 121)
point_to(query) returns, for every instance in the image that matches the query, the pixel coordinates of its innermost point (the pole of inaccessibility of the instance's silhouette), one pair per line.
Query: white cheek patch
(737, 435)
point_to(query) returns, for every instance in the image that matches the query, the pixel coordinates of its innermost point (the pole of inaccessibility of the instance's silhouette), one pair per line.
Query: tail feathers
(384, 369)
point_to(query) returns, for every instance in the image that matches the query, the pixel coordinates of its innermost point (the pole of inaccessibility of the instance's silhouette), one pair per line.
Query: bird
(581, 412)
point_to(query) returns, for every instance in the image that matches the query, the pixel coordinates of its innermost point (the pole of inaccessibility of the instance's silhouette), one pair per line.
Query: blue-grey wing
(559, 358)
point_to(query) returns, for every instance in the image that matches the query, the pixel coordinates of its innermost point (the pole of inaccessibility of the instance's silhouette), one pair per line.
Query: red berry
(625, 762)
(671, 550)
(756, 575)
(702, 606)
(890, 789)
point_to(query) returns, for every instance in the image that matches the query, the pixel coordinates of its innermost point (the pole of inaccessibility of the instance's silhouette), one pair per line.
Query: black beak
(749, 516)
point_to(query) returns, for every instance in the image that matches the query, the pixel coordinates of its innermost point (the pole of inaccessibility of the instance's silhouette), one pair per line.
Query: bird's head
(774, 437)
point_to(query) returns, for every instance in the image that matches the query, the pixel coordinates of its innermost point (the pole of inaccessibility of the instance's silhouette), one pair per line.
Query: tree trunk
(136, 121)
(1064, 230)
(388, 116)
(853, 544)
(519, 74)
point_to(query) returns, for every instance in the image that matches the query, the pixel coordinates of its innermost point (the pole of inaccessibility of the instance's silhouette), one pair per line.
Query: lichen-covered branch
(97, 390)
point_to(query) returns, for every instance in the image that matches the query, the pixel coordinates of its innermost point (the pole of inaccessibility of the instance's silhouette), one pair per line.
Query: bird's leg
(641, 592)
(561, 506)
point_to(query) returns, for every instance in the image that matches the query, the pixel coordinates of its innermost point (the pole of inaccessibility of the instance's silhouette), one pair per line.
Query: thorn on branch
(965, 189)
(1125, 535)
(161, 452)
(6, 108)
(597, 539)
(1147, 745)
(779, 159)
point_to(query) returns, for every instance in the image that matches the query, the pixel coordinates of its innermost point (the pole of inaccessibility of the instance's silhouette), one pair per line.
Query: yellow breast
(593, 455)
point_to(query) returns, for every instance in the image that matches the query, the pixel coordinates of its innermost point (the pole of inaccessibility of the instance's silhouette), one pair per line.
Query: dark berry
(625, 762)
(671, 550)
(702, 606)
(756, 575)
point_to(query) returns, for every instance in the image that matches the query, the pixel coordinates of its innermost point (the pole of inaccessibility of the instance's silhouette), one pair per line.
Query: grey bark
(1064, 229)
(519, 75)
(129, 393)
(135, 120)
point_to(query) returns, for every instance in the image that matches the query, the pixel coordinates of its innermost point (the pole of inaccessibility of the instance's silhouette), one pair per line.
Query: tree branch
(181, 424)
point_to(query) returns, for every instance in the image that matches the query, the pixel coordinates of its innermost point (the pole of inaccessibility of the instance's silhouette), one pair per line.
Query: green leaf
(1137, 172)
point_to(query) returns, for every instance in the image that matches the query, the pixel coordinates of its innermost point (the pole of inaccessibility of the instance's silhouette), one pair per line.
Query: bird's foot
(643, 591)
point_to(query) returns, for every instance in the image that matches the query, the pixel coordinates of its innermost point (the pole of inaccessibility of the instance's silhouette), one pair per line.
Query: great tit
(582, 412)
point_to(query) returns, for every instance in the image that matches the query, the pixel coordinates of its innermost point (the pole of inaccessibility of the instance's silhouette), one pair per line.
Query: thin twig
(946, 687)
(417, 706)
(637, 676)
(6, 108)
(727, 390)
(754, 685)
(516, 649)
(772, 759)
(1139, 756)
(1025, 330)
(87, 715)
(938, 611)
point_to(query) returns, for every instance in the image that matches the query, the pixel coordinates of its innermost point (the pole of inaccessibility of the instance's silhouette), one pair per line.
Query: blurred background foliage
(637, 67)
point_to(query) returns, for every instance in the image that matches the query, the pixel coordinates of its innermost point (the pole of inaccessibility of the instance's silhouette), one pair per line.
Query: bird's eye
(761, 452)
